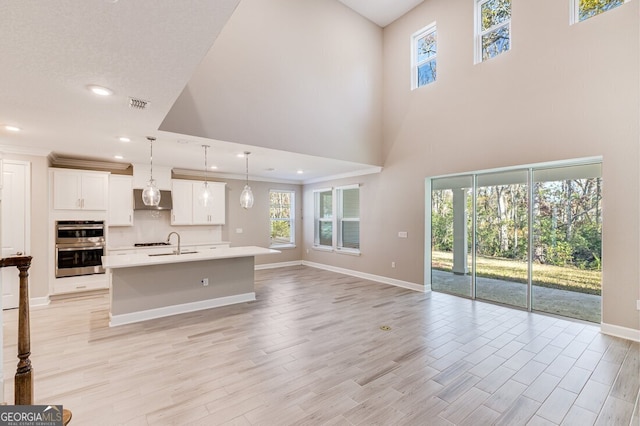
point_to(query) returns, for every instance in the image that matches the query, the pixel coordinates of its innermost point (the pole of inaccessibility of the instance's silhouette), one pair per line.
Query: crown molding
(368, 171)
(85, 163)
(199, 175)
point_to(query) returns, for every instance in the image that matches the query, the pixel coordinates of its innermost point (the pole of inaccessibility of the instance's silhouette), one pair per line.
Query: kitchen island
(147, 286)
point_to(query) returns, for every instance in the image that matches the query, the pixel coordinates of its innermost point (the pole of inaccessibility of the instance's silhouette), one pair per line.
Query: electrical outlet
(204, 282)
(402, 234)
(307, 251)
(239, 231)
(393, 264)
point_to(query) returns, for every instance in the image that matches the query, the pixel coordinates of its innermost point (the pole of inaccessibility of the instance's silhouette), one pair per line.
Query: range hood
(165, 201)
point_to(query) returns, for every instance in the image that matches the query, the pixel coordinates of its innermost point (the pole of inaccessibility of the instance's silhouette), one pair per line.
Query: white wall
(280, 72)
(562, 92)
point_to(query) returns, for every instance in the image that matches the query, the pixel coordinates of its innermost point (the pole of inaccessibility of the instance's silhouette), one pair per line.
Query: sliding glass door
(451, 235)
(528, 237)
(502, 234)
(567, 259)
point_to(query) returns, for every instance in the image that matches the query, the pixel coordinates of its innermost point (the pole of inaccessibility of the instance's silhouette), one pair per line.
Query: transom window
(584, 9)
(493, 28)
(424, 50)
(282, 218)
(337, 219)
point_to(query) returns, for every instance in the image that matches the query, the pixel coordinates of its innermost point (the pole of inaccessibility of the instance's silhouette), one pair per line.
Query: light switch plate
(402, 234)
(238, 230)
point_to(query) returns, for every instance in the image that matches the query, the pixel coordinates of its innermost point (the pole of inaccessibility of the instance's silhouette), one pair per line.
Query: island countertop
(141, 259)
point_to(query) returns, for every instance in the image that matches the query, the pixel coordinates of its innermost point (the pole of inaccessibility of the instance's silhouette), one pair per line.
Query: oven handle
(79, 227)
(79, 248)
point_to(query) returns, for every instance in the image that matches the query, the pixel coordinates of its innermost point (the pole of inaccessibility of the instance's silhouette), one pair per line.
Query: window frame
(574, 11)
(336, 219)
(291, 220)
(317, 219)
(340, 219)
(479, 33)
(415, 64)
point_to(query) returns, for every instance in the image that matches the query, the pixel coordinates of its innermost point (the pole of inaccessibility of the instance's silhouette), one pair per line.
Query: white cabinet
(182, 199)
(187, 208)
(80, 190)
(80, 283)
(214, 212)
(120, 200)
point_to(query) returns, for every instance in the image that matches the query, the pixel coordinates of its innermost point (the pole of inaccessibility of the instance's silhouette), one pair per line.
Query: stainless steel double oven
(80, 245)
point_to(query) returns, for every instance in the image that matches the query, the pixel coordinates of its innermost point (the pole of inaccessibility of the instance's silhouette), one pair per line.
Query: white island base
(144, 287)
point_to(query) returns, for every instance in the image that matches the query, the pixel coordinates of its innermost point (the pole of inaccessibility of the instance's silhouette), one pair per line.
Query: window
(282, 216)
(323, 221)
(584, 9)
(348, 217)
(423, 48)
(337, 209)
(493, 28)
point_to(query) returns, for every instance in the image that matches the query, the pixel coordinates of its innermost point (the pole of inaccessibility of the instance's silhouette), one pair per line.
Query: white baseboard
(278, 265)
(39, 301)
(623, 332)
(130, 318)
(366, 276)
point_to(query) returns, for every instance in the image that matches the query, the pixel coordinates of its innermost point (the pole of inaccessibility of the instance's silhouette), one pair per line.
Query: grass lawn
(559, 277)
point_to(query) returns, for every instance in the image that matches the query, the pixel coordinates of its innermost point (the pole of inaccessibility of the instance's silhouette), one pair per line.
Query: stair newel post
(23, 379)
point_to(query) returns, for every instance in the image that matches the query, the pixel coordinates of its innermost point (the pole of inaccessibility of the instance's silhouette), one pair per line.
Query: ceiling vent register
(135, 103)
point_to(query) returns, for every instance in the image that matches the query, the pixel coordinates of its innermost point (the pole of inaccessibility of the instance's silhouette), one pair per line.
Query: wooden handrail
(23, 379)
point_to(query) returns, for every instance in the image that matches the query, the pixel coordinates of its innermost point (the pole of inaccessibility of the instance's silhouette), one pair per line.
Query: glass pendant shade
(151, 193)
(246, 198)
(205, 194)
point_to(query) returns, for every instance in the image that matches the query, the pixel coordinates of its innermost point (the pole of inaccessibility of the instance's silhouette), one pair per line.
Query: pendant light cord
(205, 164)
(246, 156)
(151, 156)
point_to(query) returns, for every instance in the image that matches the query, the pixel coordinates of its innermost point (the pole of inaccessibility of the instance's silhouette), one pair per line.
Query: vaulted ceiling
(141, 49)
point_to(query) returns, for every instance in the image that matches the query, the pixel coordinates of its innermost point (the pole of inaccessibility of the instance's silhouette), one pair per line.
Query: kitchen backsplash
(154, 226)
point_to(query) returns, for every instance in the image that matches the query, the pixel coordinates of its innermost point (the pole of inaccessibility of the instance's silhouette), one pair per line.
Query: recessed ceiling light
(124, 139)
(118, 157)
(241, 155)
(299, 172)
(214, 167)
(12, 128)
(100, 91)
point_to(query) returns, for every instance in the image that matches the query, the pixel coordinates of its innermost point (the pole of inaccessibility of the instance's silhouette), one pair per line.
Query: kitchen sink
(171, 254)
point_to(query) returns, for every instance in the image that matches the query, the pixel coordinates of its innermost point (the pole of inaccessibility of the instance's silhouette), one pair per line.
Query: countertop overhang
(134, 260)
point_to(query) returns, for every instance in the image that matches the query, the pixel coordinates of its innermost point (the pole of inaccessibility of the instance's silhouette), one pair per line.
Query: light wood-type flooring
(311, 351)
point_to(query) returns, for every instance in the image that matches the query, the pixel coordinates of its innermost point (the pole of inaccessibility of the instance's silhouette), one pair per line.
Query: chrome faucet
(169, 238)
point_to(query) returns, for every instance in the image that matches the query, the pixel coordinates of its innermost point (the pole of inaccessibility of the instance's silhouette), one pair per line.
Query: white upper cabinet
(120, 200)
(182, 199)
(189, 210)
(213, 212)
(80, 189)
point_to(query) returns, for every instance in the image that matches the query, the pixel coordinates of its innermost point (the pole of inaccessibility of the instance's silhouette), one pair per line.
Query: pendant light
(205, 192)
(151, 193)
(246, 198)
